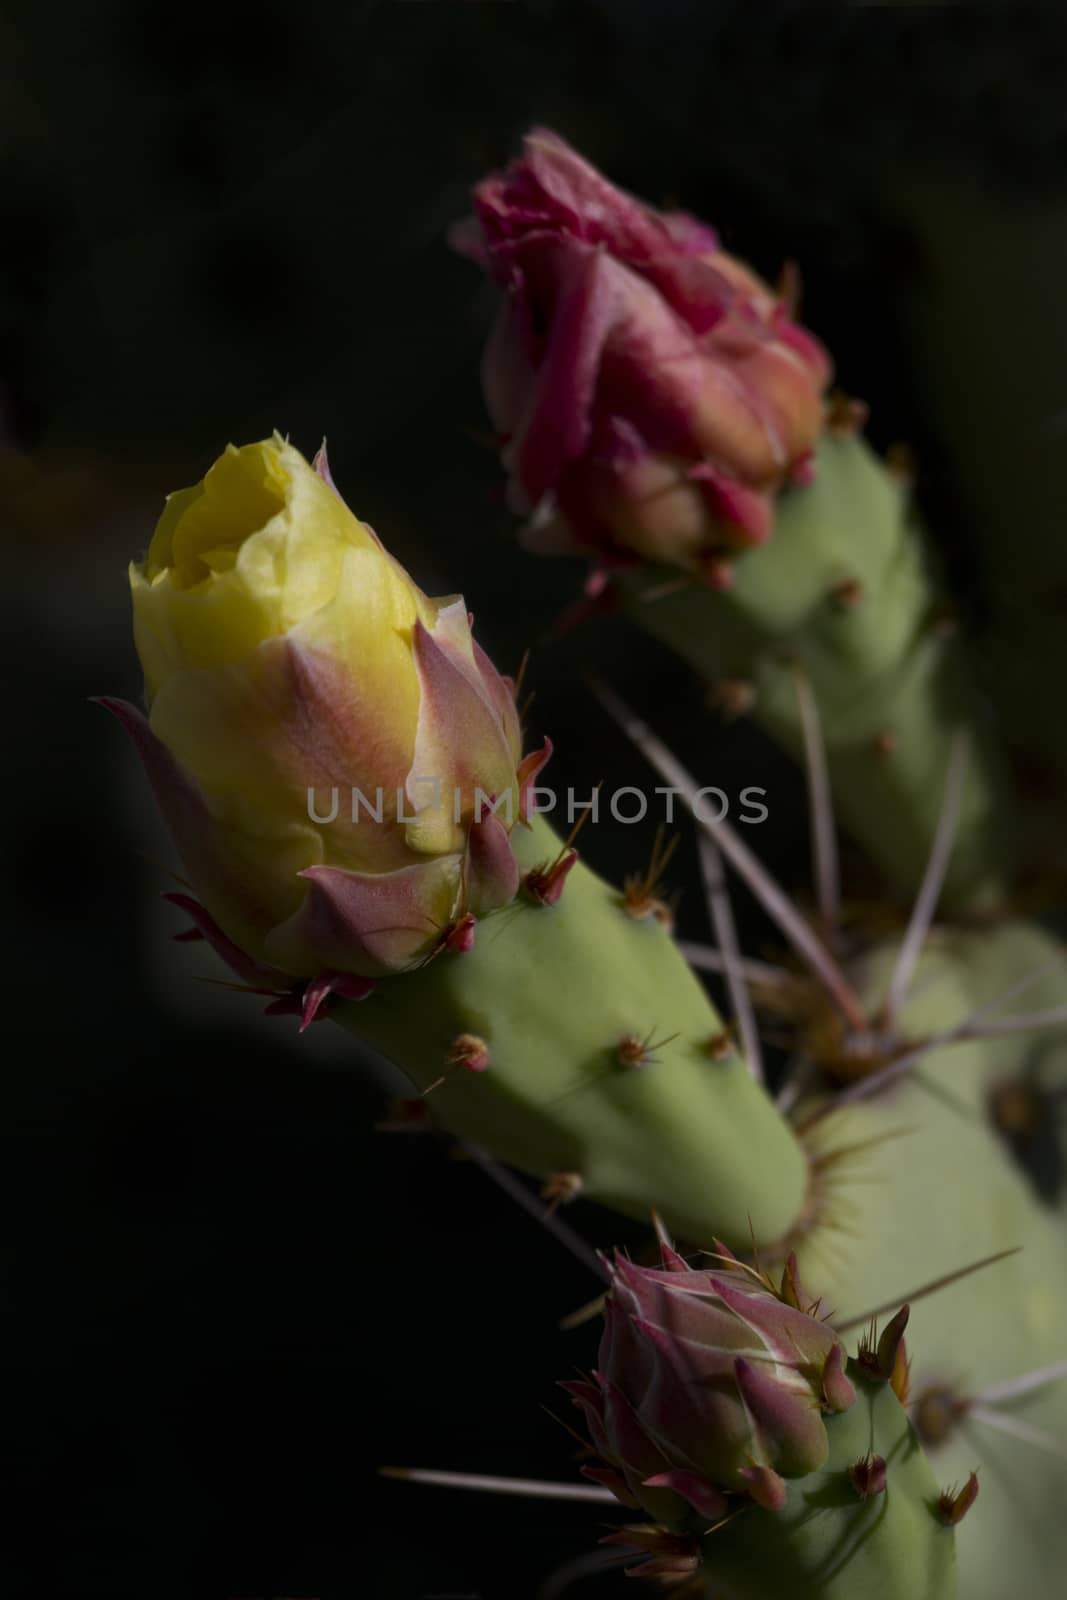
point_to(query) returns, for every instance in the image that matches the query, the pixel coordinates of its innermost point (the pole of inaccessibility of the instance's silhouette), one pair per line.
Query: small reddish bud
(844, 415)
(879, 1360)
(732, 698)
(720, 1046)
(883, 744)
(935, 1414)
(847, 594)
(470, 1051)
(641, 890)
(803, 473)
(460, 936)
(560, 1188)
(467, 1052)
(717, 572)
(868, 1475)
(954, 1504)
(546, 884)
(634, 1052)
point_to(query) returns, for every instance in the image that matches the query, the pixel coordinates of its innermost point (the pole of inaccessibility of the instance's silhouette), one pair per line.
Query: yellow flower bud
(338, 760)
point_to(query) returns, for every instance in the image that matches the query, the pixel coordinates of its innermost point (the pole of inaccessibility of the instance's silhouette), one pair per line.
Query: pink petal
(704, 1497)
(500, 692)
(492, 871)
(529, 769)
(788, 1428)
(558, 420)
(460, 740)
(247, 967)
(367, 923)
(190, 822)
(345, 985)
(750, 511)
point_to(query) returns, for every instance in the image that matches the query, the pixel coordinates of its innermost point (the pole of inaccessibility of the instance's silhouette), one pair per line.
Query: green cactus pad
(944, 1191)
(890, 683)
(828, 1543)
(552, 990)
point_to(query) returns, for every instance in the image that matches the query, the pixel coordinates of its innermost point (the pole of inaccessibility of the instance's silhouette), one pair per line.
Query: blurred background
(233, 1299)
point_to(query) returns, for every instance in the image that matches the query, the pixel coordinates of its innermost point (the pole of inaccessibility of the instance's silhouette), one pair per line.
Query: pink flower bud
(709, 1384)
(651, 392)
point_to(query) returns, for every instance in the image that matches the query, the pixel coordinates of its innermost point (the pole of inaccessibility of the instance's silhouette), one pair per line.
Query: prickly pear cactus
(939, 1189)
(663, 411)
(724, 1407)
(825, 618)
(599, 1060)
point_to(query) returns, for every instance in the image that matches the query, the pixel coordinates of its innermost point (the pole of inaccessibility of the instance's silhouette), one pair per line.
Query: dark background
(232, 1299)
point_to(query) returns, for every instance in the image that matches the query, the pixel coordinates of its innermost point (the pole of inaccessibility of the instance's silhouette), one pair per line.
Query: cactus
(551, 1021)
(845, 590)
(603, 1059)
(942, 1193)
(653, 398)
(724, 1407)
